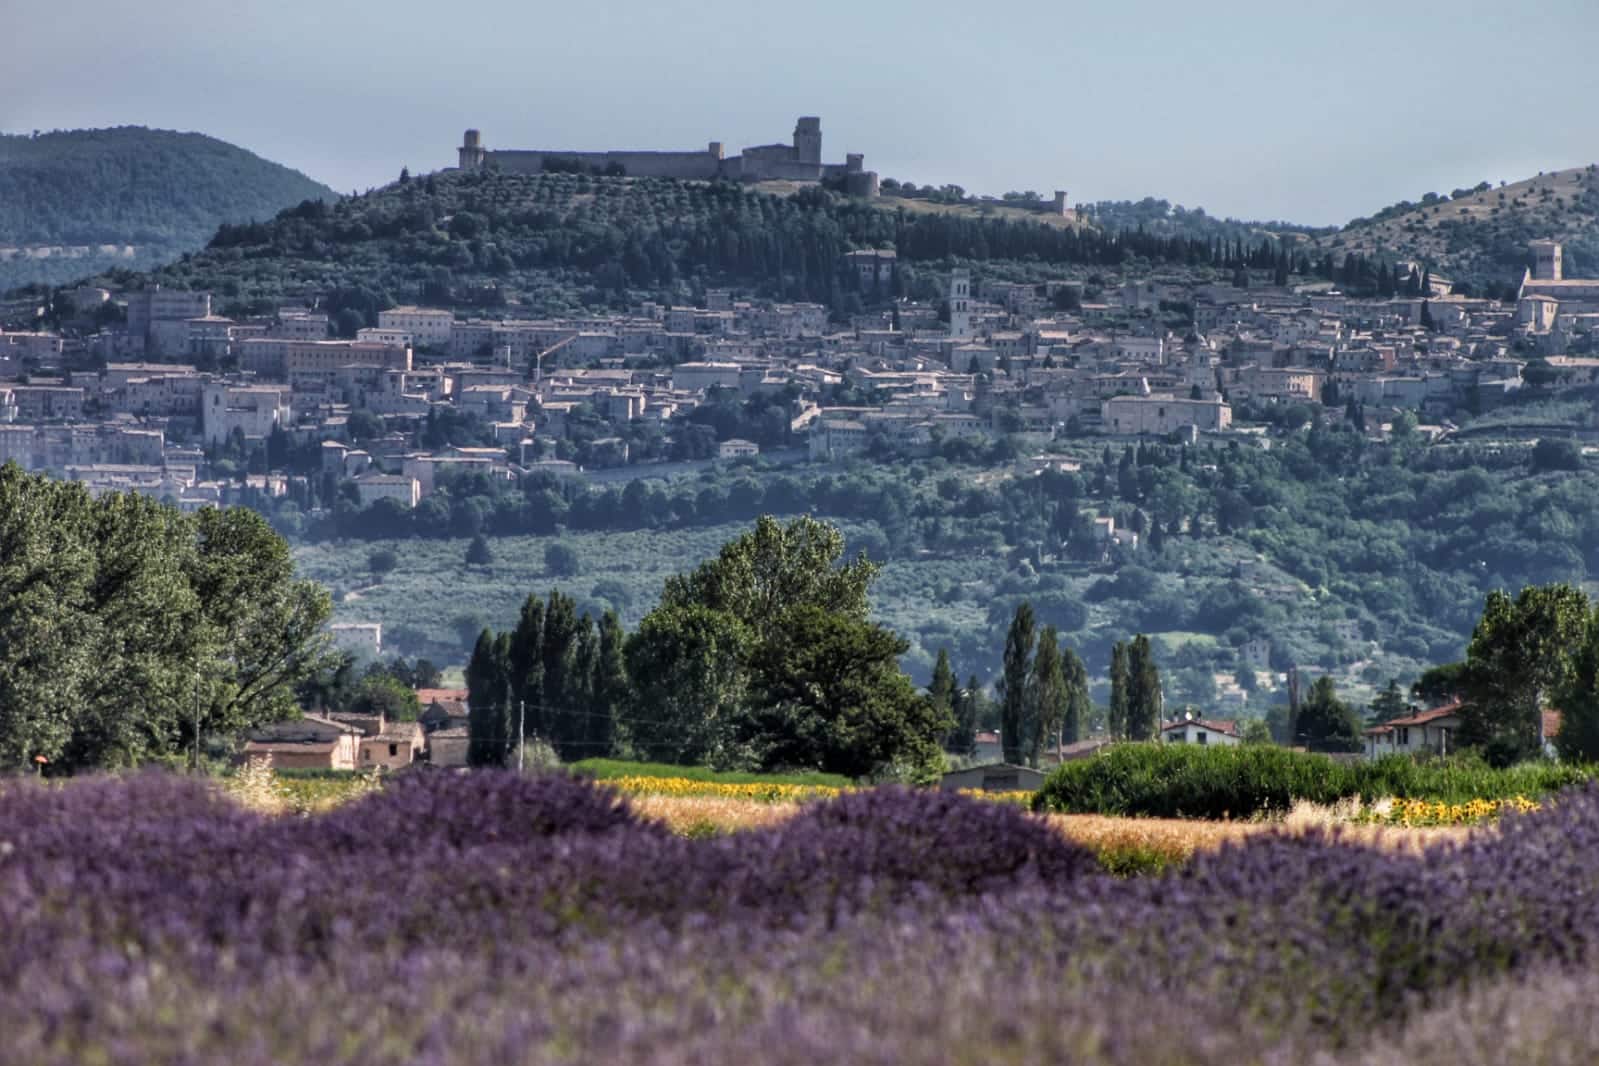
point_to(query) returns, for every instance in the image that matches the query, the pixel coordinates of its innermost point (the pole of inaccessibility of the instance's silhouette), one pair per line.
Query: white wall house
(1200, 731)
(1429, 732)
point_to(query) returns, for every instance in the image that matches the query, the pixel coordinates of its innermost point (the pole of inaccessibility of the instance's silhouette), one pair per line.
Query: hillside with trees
(1478, 235)
(160, 192)
(559, 243)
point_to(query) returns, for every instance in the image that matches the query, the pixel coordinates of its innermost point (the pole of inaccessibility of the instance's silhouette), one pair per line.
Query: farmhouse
(1428, 732)
(1200, 731)
(309, 742)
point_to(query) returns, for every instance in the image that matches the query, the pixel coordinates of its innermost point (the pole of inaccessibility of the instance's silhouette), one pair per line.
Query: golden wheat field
(1124, 845)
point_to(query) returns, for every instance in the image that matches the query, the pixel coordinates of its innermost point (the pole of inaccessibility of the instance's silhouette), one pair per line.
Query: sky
(1260, 109)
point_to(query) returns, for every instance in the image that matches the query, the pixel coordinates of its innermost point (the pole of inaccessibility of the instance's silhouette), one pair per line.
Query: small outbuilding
(994, 777)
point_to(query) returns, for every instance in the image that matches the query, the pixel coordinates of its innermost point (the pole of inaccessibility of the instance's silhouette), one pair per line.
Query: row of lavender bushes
(488, 918)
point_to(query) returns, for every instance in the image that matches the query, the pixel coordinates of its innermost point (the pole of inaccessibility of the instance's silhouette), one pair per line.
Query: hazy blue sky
(1263, 108)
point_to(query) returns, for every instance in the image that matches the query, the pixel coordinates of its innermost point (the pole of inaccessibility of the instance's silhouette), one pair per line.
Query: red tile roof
(425, 696)
(1215, 725)
(1432, 714)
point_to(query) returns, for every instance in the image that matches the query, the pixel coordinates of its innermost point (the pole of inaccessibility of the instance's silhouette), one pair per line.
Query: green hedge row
(1186, 781)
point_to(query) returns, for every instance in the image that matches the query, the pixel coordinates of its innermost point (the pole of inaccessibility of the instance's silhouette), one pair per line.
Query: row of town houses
(996, 358)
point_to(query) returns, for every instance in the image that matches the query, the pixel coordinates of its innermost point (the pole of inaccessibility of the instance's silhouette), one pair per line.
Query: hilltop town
(144, 405)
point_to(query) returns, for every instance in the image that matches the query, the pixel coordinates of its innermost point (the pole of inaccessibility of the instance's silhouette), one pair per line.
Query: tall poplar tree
(1116, 714)
(945, 694)
(1015, 677)
(1079, 707)
(488, 685)
(1047, 694)
(1145, 701)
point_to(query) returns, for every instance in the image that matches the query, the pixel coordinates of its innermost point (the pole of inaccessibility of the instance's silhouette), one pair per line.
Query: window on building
(394, 749)
(1199, 738)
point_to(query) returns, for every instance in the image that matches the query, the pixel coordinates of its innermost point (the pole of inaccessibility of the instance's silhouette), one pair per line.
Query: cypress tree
(1047, 695)
(1078, 704)
(1144, 699)
(1013, 700)
(610, 687)
(488, 685)
(945, 694)
(1116, 715)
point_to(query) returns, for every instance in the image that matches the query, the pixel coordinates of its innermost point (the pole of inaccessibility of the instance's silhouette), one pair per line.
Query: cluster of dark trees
(762, 658)
(556, 677)
(130, 631)
(1043, 692)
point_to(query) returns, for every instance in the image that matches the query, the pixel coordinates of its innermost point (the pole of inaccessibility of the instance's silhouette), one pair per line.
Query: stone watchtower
(960, 305)
(471, 152)
(808, 140)
(1547, 261)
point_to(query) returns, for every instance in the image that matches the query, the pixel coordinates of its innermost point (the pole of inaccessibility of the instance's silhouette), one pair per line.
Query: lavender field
(495, 919)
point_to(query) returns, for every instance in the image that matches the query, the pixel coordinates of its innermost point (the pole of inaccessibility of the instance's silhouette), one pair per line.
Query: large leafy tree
(1520, 655)
(763, 573)
(830, 694)
(128, 630)
(725, 662)
(689, 684)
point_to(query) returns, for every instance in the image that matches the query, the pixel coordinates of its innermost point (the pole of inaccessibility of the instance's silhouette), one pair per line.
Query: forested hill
(161, 192)
(553, 242)
(1480, 234)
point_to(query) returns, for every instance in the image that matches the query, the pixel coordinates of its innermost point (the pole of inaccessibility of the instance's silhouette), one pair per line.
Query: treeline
(762, 659)
(130, 631)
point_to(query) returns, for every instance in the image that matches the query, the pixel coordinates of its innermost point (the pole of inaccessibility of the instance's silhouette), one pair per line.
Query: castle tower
(1060, 202)
(1548, 261)
(808, 140)
(471, 152)
(960, 305)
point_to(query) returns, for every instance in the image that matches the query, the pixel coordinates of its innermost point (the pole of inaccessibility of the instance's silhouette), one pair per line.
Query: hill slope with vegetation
(553, 243)
(160, 192)
(1479, 234)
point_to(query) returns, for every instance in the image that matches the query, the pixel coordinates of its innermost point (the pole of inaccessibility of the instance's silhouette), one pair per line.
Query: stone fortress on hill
(799, 161)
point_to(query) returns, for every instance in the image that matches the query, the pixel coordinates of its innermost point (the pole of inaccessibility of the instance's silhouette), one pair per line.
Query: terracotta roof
(425, 696)
(268, 747)
(1551, 723)
(1432, 714)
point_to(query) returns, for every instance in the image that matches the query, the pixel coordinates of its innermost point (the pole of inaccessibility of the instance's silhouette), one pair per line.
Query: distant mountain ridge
(75, 202)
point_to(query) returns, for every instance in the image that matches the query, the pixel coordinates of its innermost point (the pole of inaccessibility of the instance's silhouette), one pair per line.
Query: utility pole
(521, 733)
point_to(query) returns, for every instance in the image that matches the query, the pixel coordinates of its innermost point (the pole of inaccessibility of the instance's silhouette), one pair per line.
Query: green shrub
(1185, 781)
